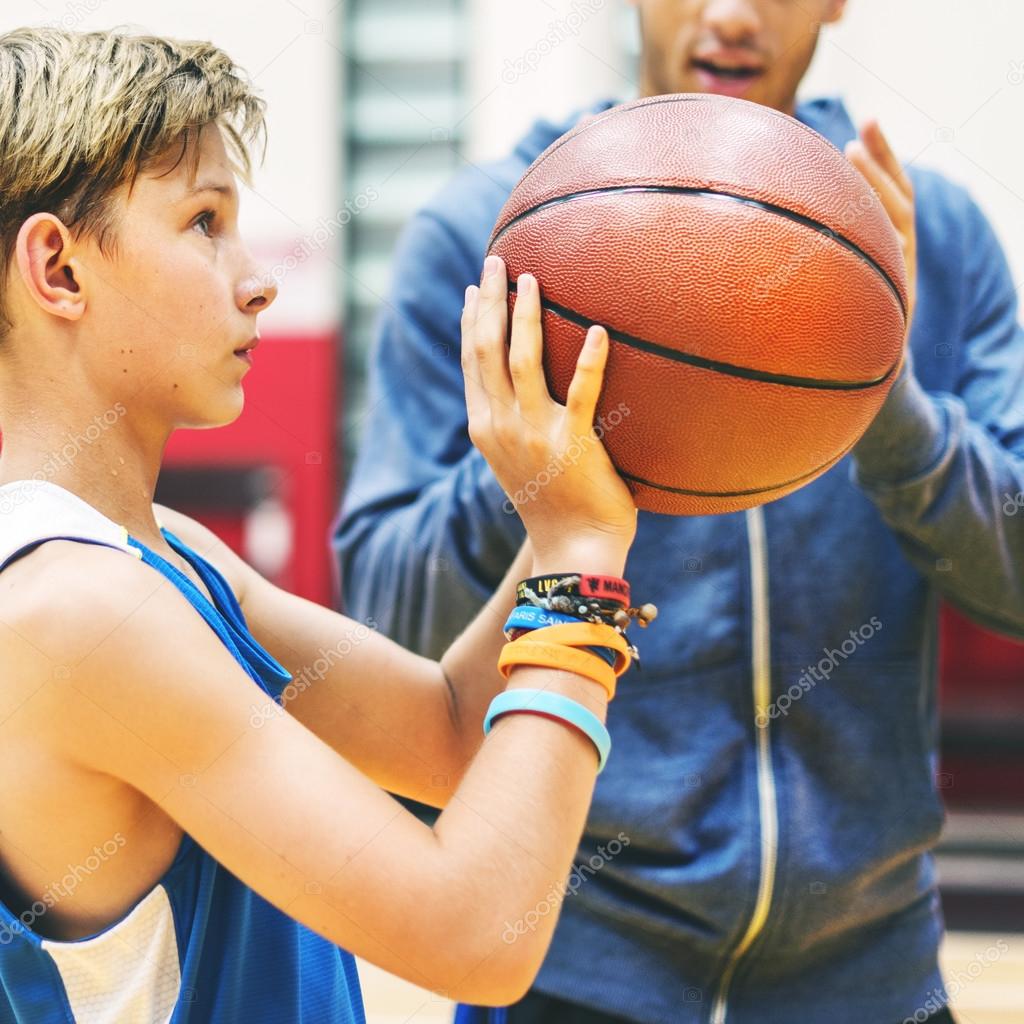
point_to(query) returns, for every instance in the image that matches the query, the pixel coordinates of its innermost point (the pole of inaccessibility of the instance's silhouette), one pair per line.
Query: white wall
(945, 78)
(533, 58)
(290, 51)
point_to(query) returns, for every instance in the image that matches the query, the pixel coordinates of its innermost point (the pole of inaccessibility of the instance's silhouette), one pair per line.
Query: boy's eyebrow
(208, 186)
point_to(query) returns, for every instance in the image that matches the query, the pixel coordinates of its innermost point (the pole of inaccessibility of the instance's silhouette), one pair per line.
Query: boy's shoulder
(60, 599)
(105, 651)
(204, 542)
(77, 583)
(64, 582)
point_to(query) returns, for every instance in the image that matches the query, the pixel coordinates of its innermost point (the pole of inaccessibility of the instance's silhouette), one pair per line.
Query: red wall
(288, 426)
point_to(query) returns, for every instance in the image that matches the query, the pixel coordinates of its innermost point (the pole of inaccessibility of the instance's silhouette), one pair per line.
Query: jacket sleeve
(946, 470)
(425, 533)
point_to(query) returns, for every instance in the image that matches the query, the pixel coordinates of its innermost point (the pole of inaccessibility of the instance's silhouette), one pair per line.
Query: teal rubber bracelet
(554, 705)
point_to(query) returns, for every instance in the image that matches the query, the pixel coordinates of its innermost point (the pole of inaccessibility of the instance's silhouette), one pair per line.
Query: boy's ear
(44, 251)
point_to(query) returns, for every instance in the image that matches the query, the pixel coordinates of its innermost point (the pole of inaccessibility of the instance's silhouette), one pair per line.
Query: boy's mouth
(245, 352)
(248, 346)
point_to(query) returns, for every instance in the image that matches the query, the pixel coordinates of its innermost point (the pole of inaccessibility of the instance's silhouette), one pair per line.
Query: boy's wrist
(602, 558)
(585, 691)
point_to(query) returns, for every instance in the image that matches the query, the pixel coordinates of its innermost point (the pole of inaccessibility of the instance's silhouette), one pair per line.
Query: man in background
(772, 860)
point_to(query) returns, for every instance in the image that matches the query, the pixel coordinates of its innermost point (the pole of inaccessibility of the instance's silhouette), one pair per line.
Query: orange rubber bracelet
(568, 659)
(587, 634)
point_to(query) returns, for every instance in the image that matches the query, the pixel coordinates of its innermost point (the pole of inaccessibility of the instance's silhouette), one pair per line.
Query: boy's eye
(204, 222)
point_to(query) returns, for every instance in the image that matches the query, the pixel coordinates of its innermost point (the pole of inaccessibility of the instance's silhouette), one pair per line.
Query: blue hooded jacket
(769, 806)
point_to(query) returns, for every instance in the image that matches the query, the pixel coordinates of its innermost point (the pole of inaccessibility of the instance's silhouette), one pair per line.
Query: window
(404, 97)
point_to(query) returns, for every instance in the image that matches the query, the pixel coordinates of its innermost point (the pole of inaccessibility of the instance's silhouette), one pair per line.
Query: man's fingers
(898, 205)
(878, 146)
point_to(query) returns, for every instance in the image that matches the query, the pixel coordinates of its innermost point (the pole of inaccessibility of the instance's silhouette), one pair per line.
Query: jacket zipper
(767, 803)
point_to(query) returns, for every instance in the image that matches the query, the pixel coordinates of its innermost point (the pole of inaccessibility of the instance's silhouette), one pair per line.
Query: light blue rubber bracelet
(557, 706)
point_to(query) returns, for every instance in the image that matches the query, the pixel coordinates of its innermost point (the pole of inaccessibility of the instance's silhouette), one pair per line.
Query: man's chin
(758, 91)
(744, 87)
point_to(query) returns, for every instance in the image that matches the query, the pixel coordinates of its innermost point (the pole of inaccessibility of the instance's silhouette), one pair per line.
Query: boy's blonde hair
(83, 113)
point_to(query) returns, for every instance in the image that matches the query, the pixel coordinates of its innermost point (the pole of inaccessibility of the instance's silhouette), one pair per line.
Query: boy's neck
(127, 505)
(98, 462)
(62, 427)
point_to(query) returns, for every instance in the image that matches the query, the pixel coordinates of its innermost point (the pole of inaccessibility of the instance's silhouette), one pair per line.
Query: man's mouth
(725, 78)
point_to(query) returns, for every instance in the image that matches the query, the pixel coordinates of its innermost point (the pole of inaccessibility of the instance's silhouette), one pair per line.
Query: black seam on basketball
(651, 101)
(610, 112)
(780, 211)
(715, 365)
(710, 97)
(827, 464)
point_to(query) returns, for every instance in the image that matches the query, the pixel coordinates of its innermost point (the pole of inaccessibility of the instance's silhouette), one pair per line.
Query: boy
(223, 857)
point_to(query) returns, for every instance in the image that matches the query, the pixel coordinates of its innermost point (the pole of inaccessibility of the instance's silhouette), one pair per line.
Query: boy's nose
(257, 292)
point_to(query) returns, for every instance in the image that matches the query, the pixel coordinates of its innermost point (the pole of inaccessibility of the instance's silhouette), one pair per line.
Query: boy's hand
(546, 456)
(874, 158)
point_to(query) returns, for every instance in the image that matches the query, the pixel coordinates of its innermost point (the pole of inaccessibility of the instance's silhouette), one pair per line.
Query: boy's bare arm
(411, 724)
(153, 698)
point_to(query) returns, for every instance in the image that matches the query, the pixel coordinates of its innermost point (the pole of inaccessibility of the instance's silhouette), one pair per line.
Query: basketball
(750, 280)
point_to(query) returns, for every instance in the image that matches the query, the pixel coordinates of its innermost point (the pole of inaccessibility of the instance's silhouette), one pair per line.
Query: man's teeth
(716, 69)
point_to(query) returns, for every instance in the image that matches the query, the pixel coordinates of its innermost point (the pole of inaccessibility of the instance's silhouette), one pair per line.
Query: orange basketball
(752, 285)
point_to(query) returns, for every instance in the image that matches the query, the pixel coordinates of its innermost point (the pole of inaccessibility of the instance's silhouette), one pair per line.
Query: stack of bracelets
(578, 624)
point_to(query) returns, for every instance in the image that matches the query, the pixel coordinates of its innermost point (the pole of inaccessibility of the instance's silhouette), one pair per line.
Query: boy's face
(168, 310)
(758, 50)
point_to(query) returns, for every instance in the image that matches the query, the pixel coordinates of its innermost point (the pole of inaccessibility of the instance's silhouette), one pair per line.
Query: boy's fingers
(491, 334)
(526, 354)
(478, 409)
(585, 389)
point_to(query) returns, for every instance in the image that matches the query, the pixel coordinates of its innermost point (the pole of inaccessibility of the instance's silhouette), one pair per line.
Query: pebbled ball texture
(750, 280)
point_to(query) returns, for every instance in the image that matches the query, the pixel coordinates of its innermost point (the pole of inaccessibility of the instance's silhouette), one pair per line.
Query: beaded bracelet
(580, 596)
(610, 588)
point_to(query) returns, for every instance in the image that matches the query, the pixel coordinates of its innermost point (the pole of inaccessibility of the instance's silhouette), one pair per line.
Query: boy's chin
(214, 414)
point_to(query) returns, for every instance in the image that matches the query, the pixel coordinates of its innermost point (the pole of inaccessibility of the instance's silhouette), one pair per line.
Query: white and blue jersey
(200, 947)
